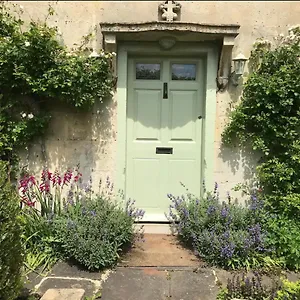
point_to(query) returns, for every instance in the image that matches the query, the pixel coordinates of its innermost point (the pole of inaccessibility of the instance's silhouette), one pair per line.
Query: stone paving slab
(159, 284)
(62, 275)
(66, 294)
(87, 286)
(68, 269)
(136, 284)
(189, 285)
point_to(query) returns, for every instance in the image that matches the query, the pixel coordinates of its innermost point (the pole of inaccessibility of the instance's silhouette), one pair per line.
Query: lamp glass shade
(239, 64)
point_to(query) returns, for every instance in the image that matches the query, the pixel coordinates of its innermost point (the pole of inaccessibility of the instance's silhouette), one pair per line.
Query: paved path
(160, 250)
(158, 269)
(160, 284)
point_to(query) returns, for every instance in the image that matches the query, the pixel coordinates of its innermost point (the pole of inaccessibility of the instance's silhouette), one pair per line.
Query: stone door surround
(224, 34)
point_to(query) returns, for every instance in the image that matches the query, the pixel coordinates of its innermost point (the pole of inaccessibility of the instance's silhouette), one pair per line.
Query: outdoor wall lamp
(238, 68)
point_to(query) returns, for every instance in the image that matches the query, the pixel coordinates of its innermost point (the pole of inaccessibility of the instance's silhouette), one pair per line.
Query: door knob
(199, 117)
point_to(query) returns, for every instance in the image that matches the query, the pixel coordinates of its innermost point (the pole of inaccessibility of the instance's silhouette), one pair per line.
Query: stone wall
(90, 138)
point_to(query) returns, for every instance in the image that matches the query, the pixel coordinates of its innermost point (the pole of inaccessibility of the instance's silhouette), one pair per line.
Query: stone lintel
(220, 29)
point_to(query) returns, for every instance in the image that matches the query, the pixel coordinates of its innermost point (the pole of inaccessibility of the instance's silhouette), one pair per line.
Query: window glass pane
(147, 71)
(183, 71)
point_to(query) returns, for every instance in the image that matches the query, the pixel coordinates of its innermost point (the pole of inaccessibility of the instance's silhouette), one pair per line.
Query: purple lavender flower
(211, 209)
(227, 251)
(255, 204)
(224, 212)
(228, 197)
(216, 187)
(186, 213)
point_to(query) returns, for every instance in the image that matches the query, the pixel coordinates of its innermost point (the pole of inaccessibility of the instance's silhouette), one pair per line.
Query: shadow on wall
(76, 137)
(237, 158)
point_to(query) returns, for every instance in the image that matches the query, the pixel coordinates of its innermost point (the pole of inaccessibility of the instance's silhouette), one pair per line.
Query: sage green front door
(165, 111)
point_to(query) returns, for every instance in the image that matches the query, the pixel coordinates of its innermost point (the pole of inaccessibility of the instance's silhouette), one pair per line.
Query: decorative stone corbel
(110, 45)
(224, 70)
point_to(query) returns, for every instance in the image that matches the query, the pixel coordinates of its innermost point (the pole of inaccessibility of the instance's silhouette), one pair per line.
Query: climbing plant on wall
(268, 120)
(35, 69)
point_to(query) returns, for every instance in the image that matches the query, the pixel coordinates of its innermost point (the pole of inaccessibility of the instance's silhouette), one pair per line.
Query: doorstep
(155, 228)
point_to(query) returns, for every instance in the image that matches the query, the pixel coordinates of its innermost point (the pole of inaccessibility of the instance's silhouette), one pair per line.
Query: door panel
(183, 108)
(170, 123)
(149, 177)
(182, 171)
(147, 114)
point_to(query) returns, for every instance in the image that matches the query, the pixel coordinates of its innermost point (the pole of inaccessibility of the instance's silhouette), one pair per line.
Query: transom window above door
(177, 71)
(183, 71)
(147, 71)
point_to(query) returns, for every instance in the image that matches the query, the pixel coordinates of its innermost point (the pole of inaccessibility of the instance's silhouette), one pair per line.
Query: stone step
(65, 294)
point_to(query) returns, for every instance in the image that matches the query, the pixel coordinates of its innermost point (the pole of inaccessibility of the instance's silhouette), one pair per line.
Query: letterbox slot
(164, 150)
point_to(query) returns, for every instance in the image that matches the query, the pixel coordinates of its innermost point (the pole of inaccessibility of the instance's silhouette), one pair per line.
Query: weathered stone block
(66, 294)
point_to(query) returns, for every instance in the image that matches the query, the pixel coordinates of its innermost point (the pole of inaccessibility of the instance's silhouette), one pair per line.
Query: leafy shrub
(36, 68)
(267, 119)
(11, 253)
(94, 232)
(284, 237)
(222, 233)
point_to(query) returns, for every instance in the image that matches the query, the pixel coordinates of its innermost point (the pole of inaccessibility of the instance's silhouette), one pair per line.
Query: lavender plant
(249, 287)
(252, 288)
(62, 217)
(220, 232)
(93, 232)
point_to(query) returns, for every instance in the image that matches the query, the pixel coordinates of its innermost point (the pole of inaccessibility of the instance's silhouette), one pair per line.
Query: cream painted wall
(91, 138)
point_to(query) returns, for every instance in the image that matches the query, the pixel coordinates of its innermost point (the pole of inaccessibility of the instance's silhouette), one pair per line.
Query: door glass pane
(183, 71)
(147, 71)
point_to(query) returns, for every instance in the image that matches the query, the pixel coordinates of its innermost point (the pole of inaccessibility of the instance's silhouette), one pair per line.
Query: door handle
(165, 91)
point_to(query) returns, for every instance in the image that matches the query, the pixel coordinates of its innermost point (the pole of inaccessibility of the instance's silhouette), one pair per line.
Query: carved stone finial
(169, 9)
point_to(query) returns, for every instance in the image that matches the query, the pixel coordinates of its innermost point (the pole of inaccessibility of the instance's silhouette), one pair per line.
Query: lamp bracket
(224, 70)
(110, 45)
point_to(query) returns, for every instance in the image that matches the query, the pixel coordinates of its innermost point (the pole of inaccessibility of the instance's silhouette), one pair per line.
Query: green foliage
(268, 117)
(35, 69)
(11, 253)
(283, 236)
(268, 120)
(94, 232)
(289, 291)
(39, 242)
(42, 199)
(222, 233)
